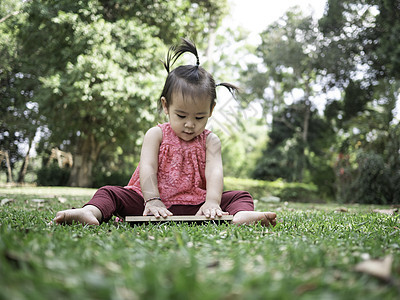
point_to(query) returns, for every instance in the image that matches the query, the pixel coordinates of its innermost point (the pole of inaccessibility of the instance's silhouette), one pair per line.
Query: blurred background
(317, 116)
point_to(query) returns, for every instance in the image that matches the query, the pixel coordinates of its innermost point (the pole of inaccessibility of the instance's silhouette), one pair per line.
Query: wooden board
(144, 219)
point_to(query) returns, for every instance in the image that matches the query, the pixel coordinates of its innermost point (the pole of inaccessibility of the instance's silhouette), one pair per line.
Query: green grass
(311, 254)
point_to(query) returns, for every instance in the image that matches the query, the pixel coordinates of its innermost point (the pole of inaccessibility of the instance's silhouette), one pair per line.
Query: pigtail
(187, 46)
(167, 63)
(233, 89)
(176, 51)
(190, 80)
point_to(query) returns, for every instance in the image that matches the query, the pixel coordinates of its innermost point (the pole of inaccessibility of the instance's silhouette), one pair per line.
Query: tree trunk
(86, 155)
(306, 121)
(8, 163)
(24, 167)
(306, 124)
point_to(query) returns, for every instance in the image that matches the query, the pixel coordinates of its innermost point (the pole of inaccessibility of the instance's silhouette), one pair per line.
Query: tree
(289, 71)
(361, 35)
(19, 114)
(95, 66)
(361, 56)
(284, 155)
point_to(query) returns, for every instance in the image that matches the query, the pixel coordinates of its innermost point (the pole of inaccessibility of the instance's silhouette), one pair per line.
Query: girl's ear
(212, 109)
(164, 105)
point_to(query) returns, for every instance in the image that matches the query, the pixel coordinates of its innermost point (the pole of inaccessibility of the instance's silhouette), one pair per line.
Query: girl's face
(188, 117)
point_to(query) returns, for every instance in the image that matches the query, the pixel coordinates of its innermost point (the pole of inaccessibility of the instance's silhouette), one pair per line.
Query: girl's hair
(190, 80)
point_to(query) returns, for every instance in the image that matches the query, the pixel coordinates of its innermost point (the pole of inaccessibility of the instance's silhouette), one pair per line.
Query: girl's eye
(199, 118)
(180, 116)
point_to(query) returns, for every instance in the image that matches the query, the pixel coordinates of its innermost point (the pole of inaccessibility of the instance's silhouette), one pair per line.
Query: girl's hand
(211, 210)
(157, 209)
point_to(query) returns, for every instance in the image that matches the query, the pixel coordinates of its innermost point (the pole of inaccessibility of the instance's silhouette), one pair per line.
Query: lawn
(314, 253)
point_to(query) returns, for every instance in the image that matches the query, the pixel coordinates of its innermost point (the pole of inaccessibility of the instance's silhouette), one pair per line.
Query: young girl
(180, 169)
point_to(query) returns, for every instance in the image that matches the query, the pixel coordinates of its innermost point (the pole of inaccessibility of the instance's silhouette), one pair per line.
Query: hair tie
(198, 61)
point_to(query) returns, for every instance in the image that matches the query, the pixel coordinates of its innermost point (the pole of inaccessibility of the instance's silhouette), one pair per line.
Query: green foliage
(287, 157)
(370, 174)
(311, 254)
(100, 88)
(372, 184)
(242, 141)
(369, 49)
(111, 178)
(297, 148)
(322, 174)
(90, 70)
(293, 191)
(257, 188)
(173, 19)
(358, 39)
(19, 115)
(358, 121)
(298, 193)
(374, 24)
(369, 160)
(52, 175)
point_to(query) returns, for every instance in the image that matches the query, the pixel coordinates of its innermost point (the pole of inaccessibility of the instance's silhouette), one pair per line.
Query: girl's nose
(189, 124)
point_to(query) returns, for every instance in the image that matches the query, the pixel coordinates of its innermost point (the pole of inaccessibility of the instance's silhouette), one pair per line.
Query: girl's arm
(214, 178)
(148, 173)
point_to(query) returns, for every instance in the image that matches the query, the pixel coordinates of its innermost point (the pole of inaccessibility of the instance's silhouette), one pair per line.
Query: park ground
(317, 251)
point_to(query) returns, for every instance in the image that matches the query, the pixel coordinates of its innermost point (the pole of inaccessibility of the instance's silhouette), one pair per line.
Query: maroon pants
(116, 200)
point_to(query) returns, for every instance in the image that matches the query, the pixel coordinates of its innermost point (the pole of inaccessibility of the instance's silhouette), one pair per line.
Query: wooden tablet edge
(176, 218)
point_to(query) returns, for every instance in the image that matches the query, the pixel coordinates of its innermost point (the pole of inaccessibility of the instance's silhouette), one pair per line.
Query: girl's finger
(155, 212)
(212, 214)
(163, 213)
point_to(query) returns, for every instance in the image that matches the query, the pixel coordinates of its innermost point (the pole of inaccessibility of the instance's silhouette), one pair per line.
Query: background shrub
(111, 178)
(295, 192)
(53, 175)
(373, 184)
(300, 194)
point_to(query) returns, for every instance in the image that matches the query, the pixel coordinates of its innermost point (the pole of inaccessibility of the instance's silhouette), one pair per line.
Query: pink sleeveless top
(181, 169)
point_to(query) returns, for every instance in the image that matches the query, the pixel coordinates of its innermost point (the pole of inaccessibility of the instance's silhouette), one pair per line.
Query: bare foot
(252, 217)
(86, 215)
